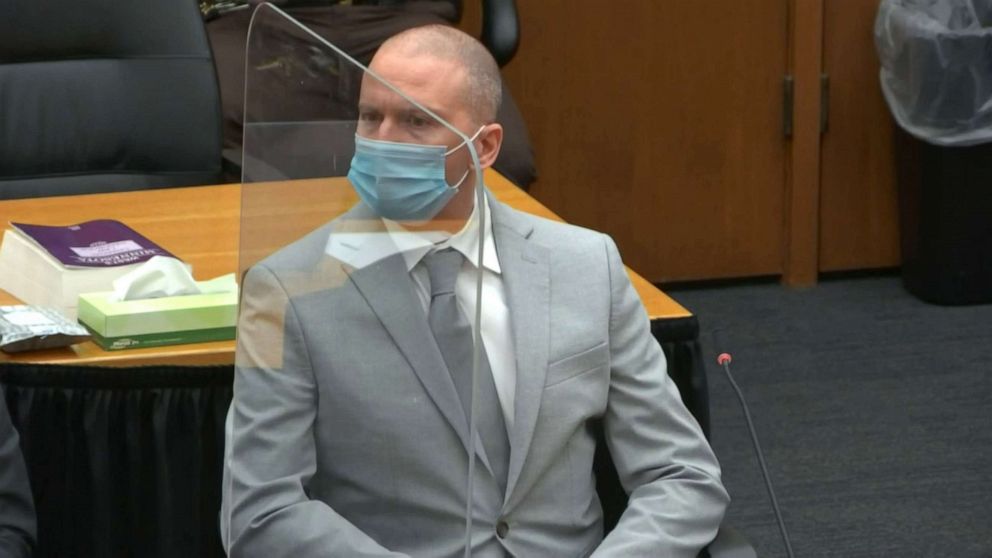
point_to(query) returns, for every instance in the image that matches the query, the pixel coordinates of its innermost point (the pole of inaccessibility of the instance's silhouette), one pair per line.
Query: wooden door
(660, 123)
(859, 225)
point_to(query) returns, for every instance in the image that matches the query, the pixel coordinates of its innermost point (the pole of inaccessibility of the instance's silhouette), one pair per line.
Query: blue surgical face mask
(403, 181)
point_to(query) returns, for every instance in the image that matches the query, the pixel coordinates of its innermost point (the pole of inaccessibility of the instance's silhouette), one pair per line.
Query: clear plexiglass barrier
(357, 388)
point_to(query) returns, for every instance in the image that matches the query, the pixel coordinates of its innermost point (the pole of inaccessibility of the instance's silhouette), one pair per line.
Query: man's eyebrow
(417, 113)
(439, 111)
(406, 111)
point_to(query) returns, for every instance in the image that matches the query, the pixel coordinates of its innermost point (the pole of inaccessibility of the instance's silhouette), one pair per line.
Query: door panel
(660, 123)
(859, 225)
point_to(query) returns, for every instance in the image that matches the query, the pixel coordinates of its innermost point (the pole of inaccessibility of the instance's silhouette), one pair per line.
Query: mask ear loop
(456, 148)
(461, 180)
(462, 144)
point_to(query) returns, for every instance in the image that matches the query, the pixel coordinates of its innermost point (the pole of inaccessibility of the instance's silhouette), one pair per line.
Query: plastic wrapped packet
(29, 328)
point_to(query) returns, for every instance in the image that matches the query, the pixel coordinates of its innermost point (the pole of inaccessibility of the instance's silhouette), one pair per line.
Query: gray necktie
(454, 337)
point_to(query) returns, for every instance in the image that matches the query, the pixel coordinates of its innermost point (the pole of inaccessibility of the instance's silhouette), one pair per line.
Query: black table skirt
(127, 462)
(122, 462)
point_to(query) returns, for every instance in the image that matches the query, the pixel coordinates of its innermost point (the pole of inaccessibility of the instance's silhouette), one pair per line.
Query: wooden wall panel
(660, 122)
(859, 225)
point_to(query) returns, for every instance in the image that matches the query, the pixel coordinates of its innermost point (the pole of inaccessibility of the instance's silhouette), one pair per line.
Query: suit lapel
(388, 289)
(526, 278)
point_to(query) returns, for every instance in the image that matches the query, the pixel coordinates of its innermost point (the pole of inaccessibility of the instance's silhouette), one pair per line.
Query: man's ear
(488, 144)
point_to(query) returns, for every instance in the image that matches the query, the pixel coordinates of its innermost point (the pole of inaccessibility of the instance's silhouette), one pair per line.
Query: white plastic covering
(936, 68)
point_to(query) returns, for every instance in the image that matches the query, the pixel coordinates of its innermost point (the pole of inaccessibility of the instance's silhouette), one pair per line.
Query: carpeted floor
(874, 411)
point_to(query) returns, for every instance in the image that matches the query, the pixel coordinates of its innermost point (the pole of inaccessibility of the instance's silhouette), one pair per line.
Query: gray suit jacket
(348, 438)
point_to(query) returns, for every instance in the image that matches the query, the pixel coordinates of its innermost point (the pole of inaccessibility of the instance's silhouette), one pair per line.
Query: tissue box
(154, 322)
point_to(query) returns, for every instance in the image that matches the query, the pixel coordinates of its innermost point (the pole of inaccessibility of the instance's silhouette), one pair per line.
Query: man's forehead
(414, 66)
(427, 84)
(411, 55)
(378, 96)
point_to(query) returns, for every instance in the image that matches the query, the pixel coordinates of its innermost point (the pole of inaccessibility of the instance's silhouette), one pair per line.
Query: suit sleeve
(665, 464)
(17, 519)
(271, 453)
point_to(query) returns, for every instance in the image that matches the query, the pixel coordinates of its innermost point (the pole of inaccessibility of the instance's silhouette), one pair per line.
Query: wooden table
(202, 225)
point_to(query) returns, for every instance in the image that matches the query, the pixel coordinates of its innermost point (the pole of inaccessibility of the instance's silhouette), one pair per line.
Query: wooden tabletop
(202, 225)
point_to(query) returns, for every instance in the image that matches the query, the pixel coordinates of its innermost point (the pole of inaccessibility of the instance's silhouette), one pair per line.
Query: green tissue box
(154, 322)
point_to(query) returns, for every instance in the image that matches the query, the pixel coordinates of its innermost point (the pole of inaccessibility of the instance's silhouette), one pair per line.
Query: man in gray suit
(349, 427)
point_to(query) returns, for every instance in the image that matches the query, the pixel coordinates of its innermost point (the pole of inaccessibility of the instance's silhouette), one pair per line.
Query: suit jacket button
(502, 529)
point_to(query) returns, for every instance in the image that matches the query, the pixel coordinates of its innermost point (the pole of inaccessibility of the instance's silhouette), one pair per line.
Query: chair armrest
(500, 29)
(728, 544)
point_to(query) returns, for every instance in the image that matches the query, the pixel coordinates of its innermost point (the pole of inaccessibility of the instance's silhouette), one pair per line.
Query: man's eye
(368, 117)
(418, 121)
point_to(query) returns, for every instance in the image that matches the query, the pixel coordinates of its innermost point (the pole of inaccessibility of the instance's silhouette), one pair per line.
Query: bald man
(349, 429)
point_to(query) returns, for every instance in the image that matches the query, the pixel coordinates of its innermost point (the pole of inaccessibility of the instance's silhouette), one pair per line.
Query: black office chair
(500, 29)
(679, 339)
(105, 96)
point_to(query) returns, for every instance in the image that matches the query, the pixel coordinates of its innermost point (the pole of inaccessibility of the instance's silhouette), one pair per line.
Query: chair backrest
(105, 96)
(500, 29)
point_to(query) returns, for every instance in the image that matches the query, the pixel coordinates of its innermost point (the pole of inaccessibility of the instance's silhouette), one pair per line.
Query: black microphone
(724, 361)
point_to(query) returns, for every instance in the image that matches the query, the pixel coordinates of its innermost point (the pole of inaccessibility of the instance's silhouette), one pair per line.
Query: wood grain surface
(203, 226)
(660, 123)
(859, 211)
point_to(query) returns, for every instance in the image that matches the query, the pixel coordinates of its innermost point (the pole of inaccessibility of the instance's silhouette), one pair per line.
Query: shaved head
(483, 87)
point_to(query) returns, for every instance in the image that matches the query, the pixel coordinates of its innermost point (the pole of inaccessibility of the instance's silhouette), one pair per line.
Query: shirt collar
(415, 245)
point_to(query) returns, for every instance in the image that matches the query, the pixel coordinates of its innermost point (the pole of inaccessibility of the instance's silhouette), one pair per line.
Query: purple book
(101, 243)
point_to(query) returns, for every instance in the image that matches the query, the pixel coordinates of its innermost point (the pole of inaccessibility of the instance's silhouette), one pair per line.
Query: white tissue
(162, 276)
